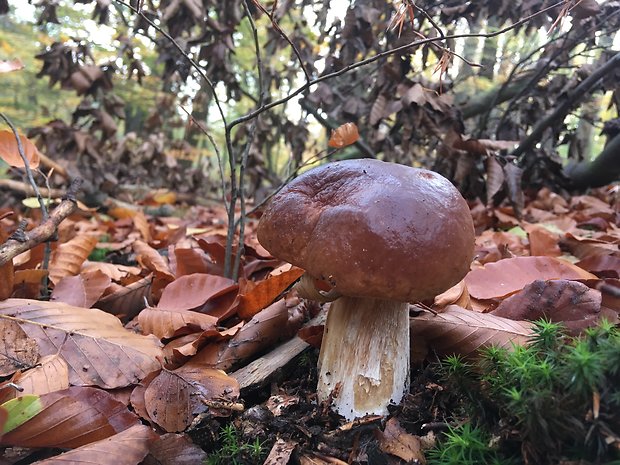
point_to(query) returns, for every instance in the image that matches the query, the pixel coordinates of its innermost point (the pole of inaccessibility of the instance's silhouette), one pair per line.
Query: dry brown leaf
(177, 449)
(174, 398)
(460, 331)
(495, 179)
(394, 440)
(603, 266)
(149, 258)
(257, 296)
(68, 258)
(456, 295)
(9, 151)
(280, 453)
(502, 278)
(166, 323)
(190, 261)
(51, 374)
(72, 418)
(114, 271)
(17, 350)
(28, 283)
(570, 302)
(542, 241)
(126, 302)
(142, 225)
(129, 447)
(82, 290)
(194, 290)
(98, 350)
(7, 279)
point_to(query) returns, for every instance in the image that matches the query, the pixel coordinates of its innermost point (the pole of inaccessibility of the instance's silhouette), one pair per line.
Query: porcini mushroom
(382, 235)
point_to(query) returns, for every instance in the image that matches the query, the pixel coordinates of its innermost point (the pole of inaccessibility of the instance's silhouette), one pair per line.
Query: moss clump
(556, 399)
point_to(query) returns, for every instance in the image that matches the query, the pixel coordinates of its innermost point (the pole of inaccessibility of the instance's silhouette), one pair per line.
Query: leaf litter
(154, 334)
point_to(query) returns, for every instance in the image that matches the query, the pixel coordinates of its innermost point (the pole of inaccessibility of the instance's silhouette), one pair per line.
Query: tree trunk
(601, 171)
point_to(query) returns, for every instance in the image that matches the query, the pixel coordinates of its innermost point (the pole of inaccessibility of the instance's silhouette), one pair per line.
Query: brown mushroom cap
(372, 229)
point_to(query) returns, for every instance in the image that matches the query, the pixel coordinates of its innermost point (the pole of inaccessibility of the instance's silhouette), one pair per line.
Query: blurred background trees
(176, 94)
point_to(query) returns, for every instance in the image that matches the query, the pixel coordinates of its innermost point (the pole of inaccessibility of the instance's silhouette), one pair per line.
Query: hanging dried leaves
(344, 136)
(9, 151)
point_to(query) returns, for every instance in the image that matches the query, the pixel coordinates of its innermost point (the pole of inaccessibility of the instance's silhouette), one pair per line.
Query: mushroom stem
(365, 353)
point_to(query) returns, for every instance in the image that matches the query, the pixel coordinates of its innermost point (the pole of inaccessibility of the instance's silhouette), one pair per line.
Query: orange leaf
(194, 290)
(506, 276)
(344, 135)
(68, 257)
(82, 290)
(10, 153)
(265, 292)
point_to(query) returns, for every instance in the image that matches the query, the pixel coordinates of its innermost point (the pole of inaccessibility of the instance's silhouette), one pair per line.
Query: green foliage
(466, 445)
(233, 451)
(541, 398)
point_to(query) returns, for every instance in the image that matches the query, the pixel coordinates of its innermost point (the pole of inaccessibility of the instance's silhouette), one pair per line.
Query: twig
(45, 230)
(572, 99)
(22, 154)
(379, 56)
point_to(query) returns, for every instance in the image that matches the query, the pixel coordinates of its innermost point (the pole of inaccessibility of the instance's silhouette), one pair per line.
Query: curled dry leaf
(98, 350)
(82, 290)
(71, 418)
(257, 296)
(280, 453)
(570, 302)
(194, 290)
(177, 449)
(126, 302)
(394, 440)
(542, 241)
(142, 225)
(604, 266)
(344, 135)
(9, 151)
(165, 323)
(129, 447)
(460, 331)
(502, 278)
(68, 258)
(174, 398)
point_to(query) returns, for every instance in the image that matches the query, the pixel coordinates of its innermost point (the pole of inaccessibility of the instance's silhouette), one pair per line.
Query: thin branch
(182, 52)
(572, 99)
(13, 247)
(379, 56)
(22, 154)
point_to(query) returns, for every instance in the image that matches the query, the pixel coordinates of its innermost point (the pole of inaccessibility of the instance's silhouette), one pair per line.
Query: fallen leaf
(68, 258)
(194, 290)
(460, 331)
(280, 453)
(174, 398)
(165, 323)
(259, 295)
(177, 449)
(129, 447)
(70, 418)
(344, 135)
(394, 440)
(17, 350)
(502, 278)
(570, 302)
(82, 290)
(51, 374)
(98, 350)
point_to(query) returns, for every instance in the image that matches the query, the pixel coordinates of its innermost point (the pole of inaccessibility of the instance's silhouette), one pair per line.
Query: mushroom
(381, 235)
